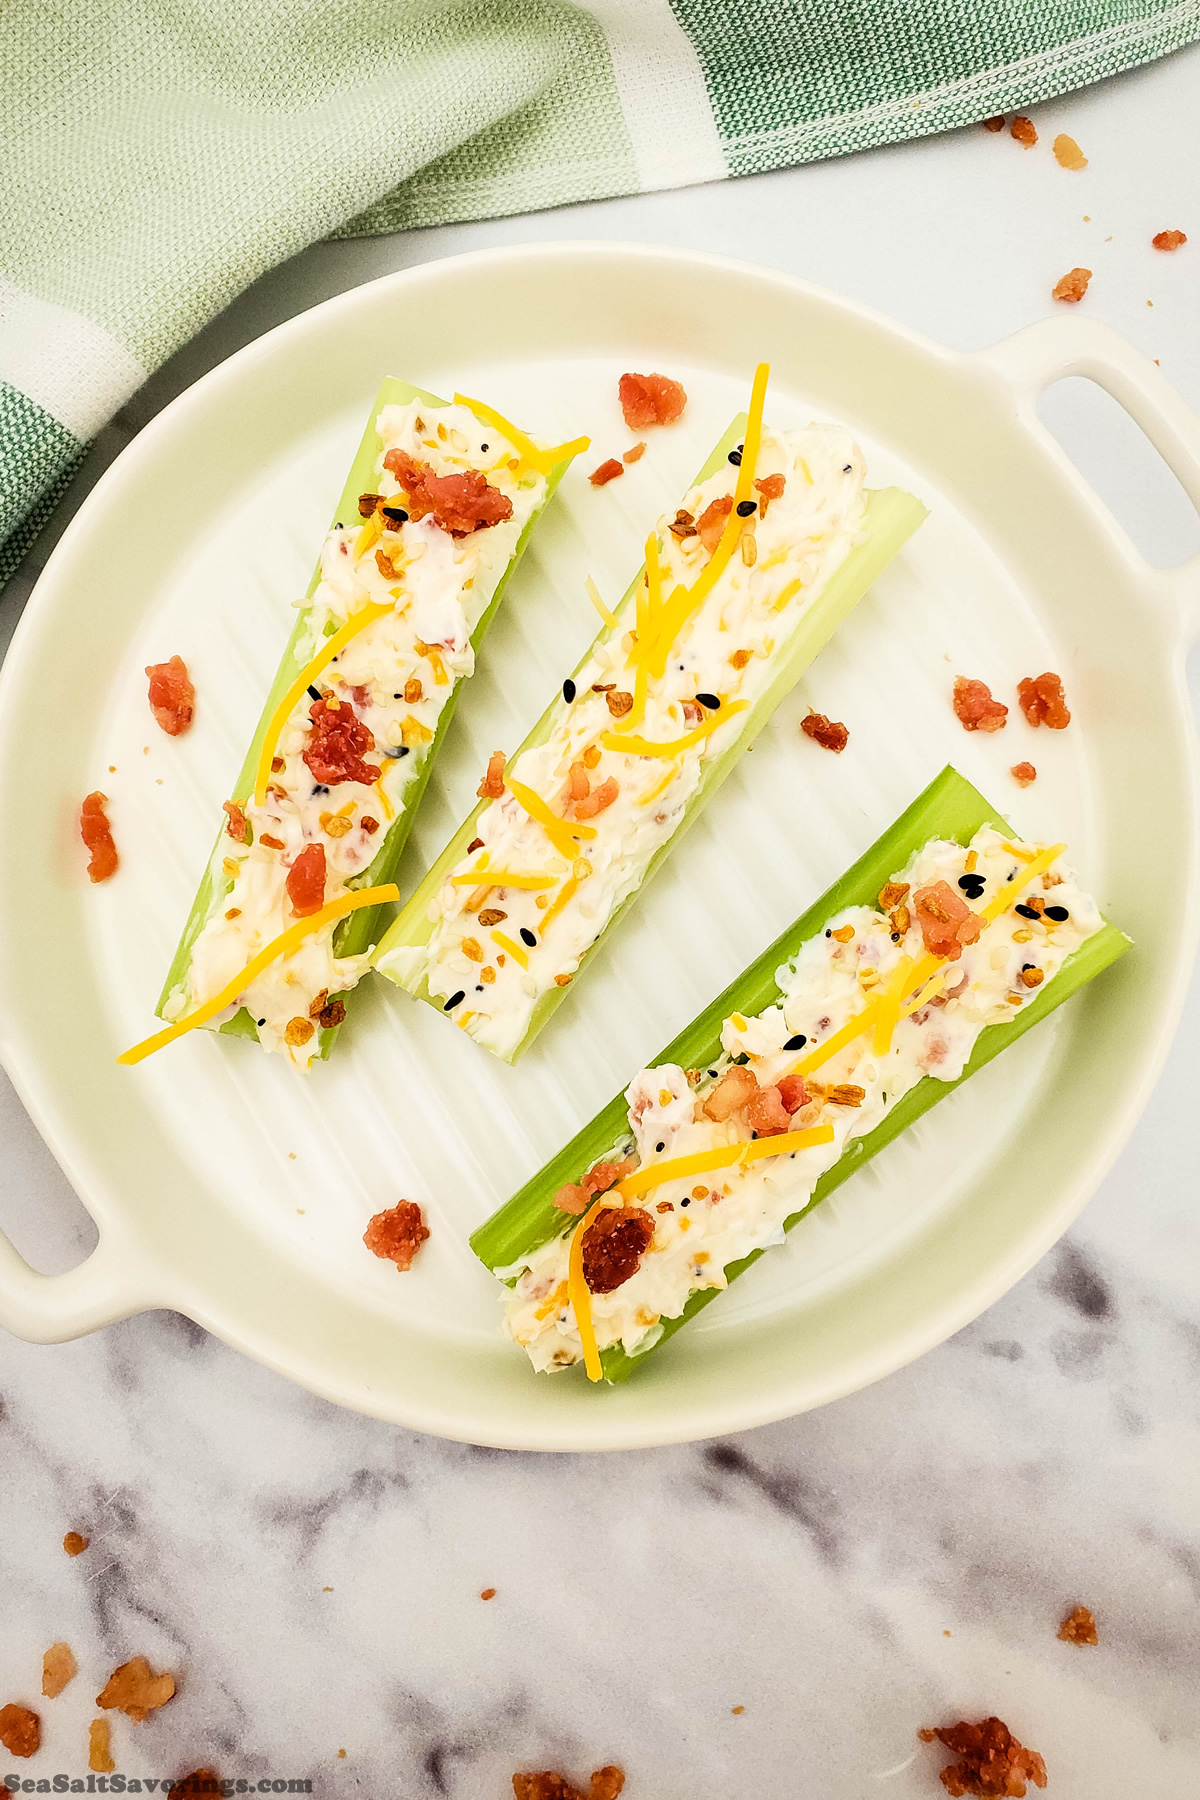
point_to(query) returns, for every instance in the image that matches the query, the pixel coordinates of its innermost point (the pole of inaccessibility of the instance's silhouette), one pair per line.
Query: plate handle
(48, 1309)
(1033, 359)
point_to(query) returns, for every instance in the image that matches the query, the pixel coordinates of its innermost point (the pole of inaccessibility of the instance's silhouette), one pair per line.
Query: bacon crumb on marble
(992, 1763)
(1079, 1627)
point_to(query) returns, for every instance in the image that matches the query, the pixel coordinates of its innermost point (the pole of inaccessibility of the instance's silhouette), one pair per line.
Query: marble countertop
(901, 1558)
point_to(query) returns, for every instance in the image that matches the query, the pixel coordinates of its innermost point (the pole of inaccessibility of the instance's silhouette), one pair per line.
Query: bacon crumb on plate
(996, 124)
(608, 471)
(305, 882)
(826, 732)
(613, 1246)
(992, 1763)
(397, 1234)
(459, 503)
(75, 1544)
(1169, 240)
(1043, 701)
(947, 923)
(710, 526)
(58, 1669)
(20, 1729)
(650, 400)
(606, 1784)
(634, 454)
(96, 833)
(337, 740)
(975, 708)
(1023, 773)
(1079, 1627)
(1024, 130)
(172, 696)
(100, 1760)
(1072, 286)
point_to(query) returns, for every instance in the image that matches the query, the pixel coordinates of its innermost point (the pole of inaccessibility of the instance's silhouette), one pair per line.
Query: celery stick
(949, 808)
(360, 929)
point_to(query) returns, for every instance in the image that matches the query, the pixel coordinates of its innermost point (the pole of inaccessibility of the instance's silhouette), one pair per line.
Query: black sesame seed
(660, 1148)
(895, 937)
(319, 788)
(796, 1043)
(483, 448)
(746, 507)
(744, 1057)
(479, 987)
(1058, 913)
(846, 468)
(735, 457)
(568, 690)
(338, 525)
(713, 1073)
(709, 700)
(315, 692)
(262, 1021)
(1027, 965)
(453, 1001)
(397, 696)
(1026, 912)
(970, 881)
(396, 513)
(829, 931)
(685, 1203)
(527, 937)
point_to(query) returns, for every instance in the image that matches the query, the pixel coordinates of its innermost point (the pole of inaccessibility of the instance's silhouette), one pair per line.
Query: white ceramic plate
(231, 1189)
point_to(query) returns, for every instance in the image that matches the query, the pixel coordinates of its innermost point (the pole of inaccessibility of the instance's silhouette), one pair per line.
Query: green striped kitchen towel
(157, 156)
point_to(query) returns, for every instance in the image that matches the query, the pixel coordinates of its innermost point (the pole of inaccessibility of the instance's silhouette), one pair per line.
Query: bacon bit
(1067, 153)
(332, 1015)
(318, 1002)
(650, 400)
(492, 785)
(271, 843)
(172, 696)
(793, 1093)
(135, 1691)
(412, 690)
(604, 1175)
(578, 785)
(891, 894)
(1024, 131)
(336, 743)
(613, 1246)
(1079, 1627)
(397, 1234)
(1043, 701)
(306, 881)
(843, 934)
(826, 732)
(297, 1032)
(100, 1759)
(236, 825)
(367, 504)
(730, 1094)
(634, 454)
(996, 124)
(765, 1113)
(369, 825)
(683, 525)
(96, 833)
(58, 1668)
(1023, 773)
(710, 526)
(460, 504)
(547, 1784)
(74, 1544)
(607, 1783)
(1032, 977)
(619, 702)
(900, 920)
(277, 765)
(563, 980)
(491, 915)
(947, 922)
(608, 471)
(1168, 240)
(975, 708)
(487, 1594)
(591, 756)
(472, 949)
(740, 658)
(598, 800)
(993, 1763)
(846, 1093)
(1072, 286)
(20, 1730)
(771, 487)
(573, 1199)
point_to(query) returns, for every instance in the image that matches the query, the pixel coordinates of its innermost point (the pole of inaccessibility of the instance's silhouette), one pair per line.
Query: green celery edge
(356, 933)
(949, 808)
(890, 520)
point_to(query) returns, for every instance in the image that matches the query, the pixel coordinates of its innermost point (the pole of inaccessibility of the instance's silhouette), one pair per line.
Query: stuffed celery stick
(772, 547)
(433, 519)
(944, 944)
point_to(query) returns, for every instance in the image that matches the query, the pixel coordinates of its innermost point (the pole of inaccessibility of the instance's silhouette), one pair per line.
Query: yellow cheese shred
(514, 950)
(852, 1029)
(578, 1292)
(541, 460)
(561, 832)
(889, 1006)
(702, 1162)
(1005, 896)
(564, 895)
(501, 878)
(283, 945)
(635, 746)
(283, 712)
(593, 594)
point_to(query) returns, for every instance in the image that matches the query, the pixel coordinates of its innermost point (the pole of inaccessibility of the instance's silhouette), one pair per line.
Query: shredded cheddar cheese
(593, 594)
(514, 949)
(635, 746)
(283, 945)
(579, 1293)
(561, 832)
(501, 878)
(283, 712)
(702, 1162)
(541, 460)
